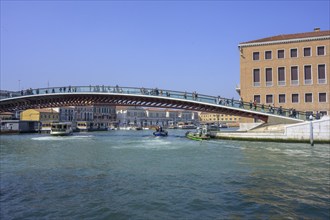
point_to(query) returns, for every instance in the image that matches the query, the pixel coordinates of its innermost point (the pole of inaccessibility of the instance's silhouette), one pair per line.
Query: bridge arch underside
(52, 101)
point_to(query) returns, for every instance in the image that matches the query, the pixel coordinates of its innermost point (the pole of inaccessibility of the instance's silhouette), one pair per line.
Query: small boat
(61, 129)
(197, 136)
(160, 132)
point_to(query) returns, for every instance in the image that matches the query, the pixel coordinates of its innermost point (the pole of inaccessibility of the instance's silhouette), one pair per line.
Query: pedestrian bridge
(145, 97)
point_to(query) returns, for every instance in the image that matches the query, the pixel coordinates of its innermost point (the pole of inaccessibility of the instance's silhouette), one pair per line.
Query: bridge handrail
(194, 96)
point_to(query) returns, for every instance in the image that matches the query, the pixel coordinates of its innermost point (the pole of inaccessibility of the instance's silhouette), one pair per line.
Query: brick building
(289, 70)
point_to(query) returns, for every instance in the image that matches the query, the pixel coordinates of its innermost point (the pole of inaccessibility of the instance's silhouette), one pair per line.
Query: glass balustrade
(231, 103)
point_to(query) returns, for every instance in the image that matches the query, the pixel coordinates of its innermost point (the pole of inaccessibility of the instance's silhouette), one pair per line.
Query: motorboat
(61, 129)
(201, 134)
(160, 132)
(197, 136)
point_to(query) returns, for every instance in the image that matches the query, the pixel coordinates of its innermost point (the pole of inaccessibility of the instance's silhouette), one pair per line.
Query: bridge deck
(115, 95)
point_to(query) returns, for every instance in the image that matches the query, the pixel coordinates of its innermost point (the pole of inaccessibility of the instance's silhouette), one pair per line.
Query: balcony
(294, 82)
(308, 82)
(269, 83)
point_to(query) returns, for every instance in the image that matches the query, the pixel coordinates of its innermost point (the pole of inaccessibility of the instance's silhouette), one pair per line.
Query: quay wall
(321, 130)
(292, 133)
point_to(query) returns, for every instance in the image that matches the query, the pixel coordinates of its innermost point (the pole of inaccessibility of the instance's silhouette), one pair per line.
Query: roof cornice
(284, 41)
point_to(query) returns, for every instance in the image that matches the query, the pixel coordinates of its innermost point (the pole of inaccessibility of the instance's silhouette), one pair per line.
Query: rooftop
(316, 33)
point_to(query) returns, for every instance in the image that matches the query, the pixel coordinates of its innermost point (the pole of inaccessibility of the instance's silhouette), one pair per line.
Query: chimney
(317, 29)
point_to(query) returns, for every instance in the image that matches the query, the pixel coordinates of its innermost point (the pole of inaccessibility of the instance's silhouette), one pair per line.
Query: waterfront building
(66, 114)
(104, 116)
(146, 117)
(205, 118)
(84, 113)
(7, 116)
(131, 116)
(44, 117)
(290, 70)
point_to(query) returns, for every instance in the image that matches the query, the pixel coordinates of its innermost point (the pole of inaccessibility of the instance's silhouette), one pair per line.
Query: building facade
(43, 117)
(290, 70)
(205, 117)
(145, 117)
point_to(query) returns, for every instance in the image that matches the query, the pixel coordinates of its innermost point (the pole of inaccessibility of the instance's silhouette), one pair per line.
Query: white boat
(61, 129)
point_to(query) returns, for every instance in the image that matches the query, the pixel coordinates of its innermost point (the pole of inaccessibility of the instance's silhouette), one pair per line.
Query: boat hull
(197, 137)
(160, 133)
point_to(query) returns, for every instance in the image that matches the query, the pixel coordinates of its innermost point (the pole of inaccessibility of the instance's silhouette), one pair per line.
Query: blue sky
(176, 45)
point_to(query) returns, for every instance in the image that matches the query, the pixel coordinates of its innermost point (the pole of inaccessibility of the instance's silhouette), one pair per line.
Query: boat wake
(56, 138)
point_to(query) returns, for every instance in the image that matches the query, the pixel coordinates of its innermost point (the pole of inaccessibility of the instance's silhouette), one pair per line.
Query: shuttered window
(281, 76)
(268, 55)
(308, 97)
(320, 51)
(280, 54)
(294, 75)
(321, 74)
(269, 77)
(281, 98)
(307, 52)
(295, 98)
(294, 52)
(322, 97)
(269, 99)
(308, 74)
(256, 77)
(257, 98)
(255, 55)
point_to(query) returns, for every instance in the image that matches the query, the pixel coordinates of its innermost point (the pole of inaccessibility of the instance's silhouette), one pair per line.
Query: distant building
(145, 117)
(84, 113)
(104, 116)
(131, 116)
(44, 117)
(7, 116)
(205, 117)
(66, 114)
(290, 70)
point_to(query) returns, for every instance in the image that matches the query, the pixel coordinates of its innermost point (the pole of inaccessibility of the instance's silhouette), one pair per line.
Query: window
(281, 76)
(294, 75)
(322, 97)
(280, 54)
(255, 55)
(321, 74)
(307, 52)
(295, 98)
(269, 77)
(281, 98)
(308, 97)
(256, 77)
(268, 55)
(308, 74)
(269, 99)
(257, 98)
(320, 51)
(322, 113)
(294, 52)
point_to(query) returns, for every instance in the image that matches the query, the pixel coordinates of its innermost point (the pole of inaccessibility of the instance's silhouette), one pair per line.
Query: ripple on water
(133, 175)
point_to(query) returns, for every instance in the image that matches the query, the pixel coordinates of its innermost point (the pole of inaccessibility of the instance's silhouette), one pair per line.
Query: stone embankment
(300, 132)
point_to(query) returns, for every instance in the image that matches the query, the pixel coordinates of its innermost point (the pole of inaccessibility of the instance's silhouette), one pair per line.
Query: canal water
(133, 175)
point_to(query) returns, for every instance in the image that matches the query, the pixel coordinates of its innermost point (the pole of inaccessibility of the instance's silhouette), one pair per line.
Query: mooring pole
(311, 133)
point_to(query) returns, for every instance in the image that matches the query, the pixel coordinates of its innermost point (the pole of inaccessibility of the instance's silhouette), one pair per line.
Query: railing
(161, 93)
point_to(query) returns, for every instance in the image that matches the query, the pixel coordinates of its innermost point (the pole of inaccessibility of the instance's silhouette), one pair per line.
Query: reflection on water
(132, 174)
